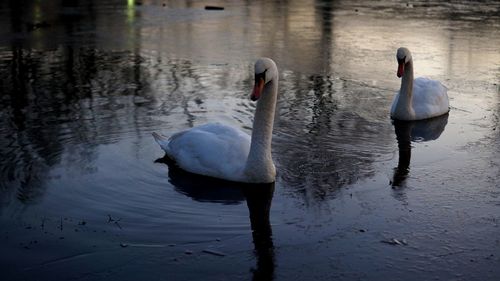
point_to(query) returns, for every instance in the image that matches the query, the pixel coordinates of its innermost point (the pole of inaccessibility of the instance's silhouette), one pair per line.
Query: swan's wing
(213, 150)
(430, 98)
(394, 103)
(164, 141)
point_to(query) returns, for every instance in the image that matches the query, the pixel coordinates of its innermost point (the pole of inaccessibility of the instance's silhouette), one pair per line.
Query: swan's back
(430, 98)
(212, 149)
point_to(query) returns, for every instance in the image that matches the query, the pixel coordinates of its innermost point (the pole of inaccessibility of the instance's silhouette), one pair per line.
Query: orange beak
(401, 69)
(257, 89)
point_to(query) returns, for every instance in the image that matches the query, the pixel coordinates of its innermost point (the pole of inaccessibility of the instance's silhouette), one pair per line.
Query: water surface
(84, 193)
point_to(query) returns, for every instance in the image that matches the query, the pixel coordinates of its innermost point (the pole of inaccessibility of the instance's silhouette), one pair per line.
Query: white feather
(212, 149)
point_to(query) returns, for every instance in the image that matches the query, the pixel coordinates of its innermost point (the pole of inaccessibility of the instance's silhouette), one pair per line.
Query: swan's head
(403, 56)
(265, 72)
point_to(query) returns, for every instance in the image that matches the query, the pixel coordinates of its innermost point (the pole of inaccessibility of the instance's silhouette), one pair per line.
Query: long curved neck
(259, 160)
(404, 106)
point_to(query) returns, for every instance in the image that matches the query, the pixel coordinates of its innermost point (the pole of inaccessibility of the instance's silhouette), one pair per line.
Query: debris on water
(115, 221)
(362, 230)
(171, 245)
(148, 245)
(217, 239)
(391, 241)
(124, 245)
(188, 252)
(215, 253)
(394, 241)
(214, 8)
(82, 222)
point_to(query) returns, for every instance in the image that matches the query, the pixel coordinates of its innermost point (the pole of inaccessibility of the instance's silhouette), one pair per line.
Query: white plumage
(212, 149)
(429, 99)
(224, 152)
(417, 99)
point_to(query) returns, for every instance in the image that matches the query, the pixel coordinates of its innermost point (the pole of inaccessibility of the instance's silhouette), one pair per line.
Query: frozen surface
(84, 83)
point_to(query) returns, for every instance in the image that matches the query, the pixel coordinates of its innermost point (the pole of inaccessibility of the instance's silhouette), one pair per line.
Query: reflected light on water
(80, 96)
(130, 11)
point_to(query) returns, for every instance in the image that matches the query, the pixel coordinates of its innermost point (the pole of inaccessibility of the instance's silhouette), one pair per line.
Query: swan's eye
(261, 75)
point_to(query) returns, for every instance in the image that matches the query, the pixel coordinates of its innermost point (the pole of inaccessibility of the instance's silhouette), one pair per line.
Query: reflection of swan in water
(258, 197)
(419, 131)
(189, 184)
(259, 204)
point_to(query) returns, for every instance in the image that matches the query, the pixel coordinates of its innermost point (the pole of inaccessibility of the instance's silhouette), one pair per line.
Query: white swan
(225, 152)
(417, 99)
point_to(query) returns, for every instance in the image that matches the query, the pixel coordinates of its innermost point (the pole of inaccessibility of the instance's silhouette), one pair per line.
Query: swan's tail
(161, 140)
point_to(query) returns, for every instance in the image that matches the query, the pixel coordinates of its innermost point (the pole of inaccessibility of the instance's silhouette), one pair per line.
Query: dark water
(85, 195)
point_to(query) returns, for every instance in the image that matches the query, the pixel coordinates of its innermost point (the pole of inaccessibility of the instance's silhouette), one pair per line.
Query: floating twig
(110, 219)
(115, 221)
(215, 253)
